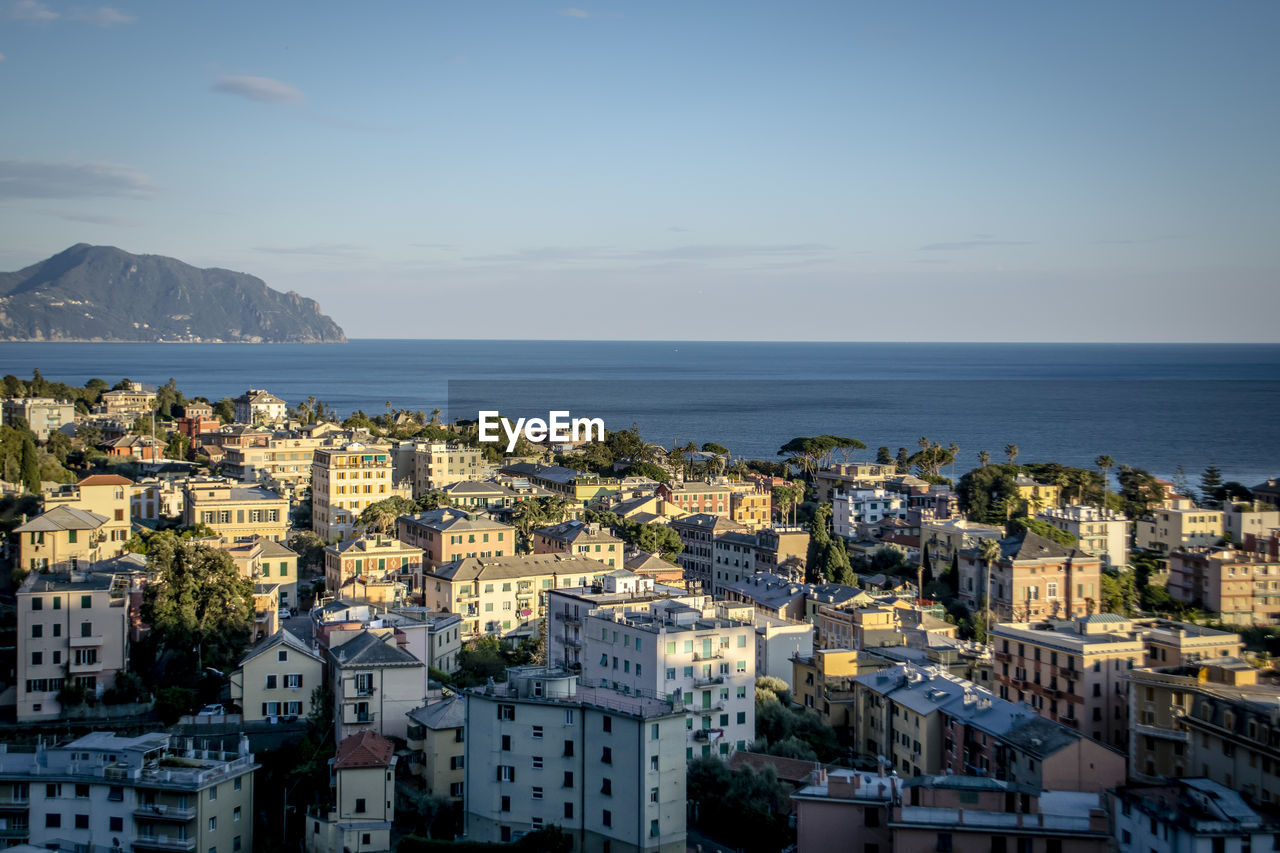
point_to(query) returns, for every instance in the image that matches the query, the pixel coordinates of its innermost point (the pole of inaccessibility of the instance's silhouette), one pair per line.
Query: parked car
(211, 711)
(284, 613)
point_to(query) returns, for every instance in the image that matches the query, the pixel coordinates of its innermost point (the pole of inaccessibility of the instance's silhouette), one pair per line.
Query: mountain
(101, 293)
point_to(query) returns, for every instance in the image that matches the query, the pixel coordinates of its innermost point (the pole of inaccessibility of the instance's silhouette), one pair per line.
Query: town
(299, 630)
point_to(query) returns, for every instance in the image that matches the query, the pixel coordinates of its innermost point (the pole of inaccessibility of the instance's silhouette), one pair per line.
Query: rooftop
(62, 518)
(362, 750)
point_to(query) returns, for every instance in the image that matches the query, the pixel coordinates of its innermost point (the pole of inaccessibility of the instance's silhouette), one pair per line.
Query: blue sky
(683, 170)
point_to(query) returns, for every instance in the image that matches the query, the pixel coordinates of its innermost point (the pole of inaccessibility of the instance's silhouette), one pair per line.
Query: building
(1234, 740)
(375, 684)
(438, 464)
(577, 487)
(42, 414)
(503, 595)
(1101, 532)
(852, 512)
(668, 648)
(104, 792)
(276, 679)
(1180, 526)
(127, 403)
(371, 558)
(750, 505)
(579, 539)
(364, 798)
(153, 499)
(695, 497)
(446, 535)
(779, 543)
(278, 460)
(698, 533)
(1034, 578)
(733, 560)
(108, 495)
(433, 638)
(653, 566)
(256, 406)
(72, 631)
(1075, 672)
(1243, 587)
(143, 448)
(63, 539)
(1239, 521)
(942, 540)
(344, 482)
(1192, 815)
(822, 681)
(437, 742)
(853, 475)
(234, 511)
(543, 749)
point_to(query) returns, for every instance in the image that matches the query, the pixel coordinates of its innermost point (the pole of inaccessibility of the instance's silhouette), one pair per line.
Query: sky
(802, 170)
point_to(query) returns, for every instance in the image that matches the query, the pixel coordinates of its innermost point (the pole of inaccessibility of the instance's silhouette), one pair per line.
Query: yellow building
(437, 739)
(282, 460)
(371, 559)
(363, 799)
(1037, 495)
(62, 538)
(108, 495)
(236, 512)
(344, 482)
(498, 595)
(276, 677)
(438, 464)
(750, 505)
(266, 561)
(823, 682)
(127, 402)
(580, 540)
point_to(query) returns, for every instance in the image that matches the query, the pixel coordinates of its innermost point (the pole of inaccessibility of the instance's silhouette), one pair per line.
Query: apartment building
(363, 798)
(502, 595)
(257, 406)
(850, 476)
(1077, 672)
(104, 791)
(152, 499)
(791, 600)
(779, 543)
(577, 487)
(1034, 578)
(733, 559)
(822, 681)
(63, 538)
(446, 535)
(707, 657)
(277, 460)
(72, 630)
(433, 638)
(1198, 815)
(1180, 526)
(696, 497)
(852, 512)
(42, 414)
(481, 495)
(437, 742)
(344, 482)
(372, 558)
(579, 539)
(108, 495)
(276, 678)
(234, 511)
(438, 464)
(195, 419)
(127, 403)
(1243, 587)
(544, 749)
(1103, 533)
(1234, 740)
(943, 539)
(750, 505)
(1240, 521)
(698, 533)
(375, 683)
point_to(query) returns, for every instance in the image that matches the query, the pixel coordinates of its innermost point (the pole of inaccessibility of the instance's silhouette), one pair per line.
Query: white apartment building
(1249, 518)
(850, 509)
(1183, 525)
(605, 767)
(257, 406)
(706, 658)
(1101, 532)
(733, 559)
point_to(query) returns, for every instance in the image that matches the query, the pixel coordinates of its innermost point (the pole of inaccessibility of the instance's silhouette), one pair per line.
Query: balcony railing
(161, 811)
(707, 682)
(163, 842)
(78, 668)
(715, 655)
(569, 618)
(84, 642)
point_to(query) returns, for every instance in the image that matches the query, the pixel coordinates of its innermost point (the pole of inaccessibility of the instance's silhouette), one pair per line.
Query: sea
(1162, 407)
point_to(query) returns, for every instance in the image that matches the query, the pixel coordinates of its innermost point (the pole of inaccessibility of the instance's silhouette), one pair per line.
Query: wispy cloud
(32, 12)
(702, 253)
(32, 179)
(262, 89)
(965, 245)
(326, 250)
(731, 251)
(574, 13)
(102, 16)
(92, 219)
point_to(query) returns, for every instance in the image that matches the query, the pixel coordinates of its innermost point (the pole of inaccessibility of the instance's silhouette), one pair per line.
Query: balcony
(163, 842)
(159, 811)
(573, 643)
(19, 832)
(707, 682)
(84, 642)
(357, 718)
(705, 734)
(716, 655)
(363, 692)
(1004, 657)
(15, 804)
(569, 618)
(1166, 734)
(79, 668)
(1070, 722)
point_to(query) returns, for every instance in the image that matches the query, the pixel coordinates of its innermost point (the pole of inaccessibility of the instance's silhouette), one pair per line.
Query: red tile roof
(105, 480)
(364, 749)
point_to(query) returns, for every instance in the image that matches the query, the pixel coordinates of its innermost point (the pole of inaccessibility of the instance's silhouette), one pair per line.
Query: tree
(814, 452)
(527, 517)
(1211, 485)
(989, 551)
(902, 463)
(785, 498)
(884, 457)
(1011, 450)
(1042, 528)
(30, 465)
(712, 447)
(1139, 491)
(984, 458)
(954, 450)
(225, 410)
(985, 493)
(381, 517)
(1105, 464)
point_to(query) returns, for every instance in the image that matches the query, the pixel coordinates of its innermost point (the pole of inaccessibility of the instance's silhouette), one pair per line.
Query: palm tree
(1105, 464)
(989, 550)
(1011, 450)
(953, 449)
(984, 458)
(527, 517)
(435, 417)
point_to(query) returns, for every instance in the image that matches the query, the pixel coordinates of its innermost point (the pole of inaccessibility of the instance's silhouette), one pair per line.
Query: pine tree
(1211, 485)
(30, 466)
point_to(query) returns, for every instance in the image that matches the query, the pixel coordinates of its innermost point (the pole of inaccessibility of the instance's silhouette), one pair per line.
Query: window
(606, 787)
(537, 762)
(505, 804)
(115, 824)
(537, 732)
(506, 743)
(82, 792)
(568, 783)
(53, 820)
(115, 794)
(213, 793)
(37, 604)
(607, 818)
(82, 821)
(213, 822)
(606, 757)
(568, 811)
(944, 842)
(537, 793)
(506, 712)
(271, 682)
(506, 773)
(653, 764)
(235, 815)
(568, 749)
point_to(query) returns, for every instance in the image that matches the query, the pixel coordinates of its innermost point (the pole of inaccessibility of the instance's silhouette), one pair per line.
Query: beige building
(1243, 588)
(234, 511)
(42, 414)
(276, 679)
(280, 460)
(256, 406)
(437, 741)
(447, 534)
(267, 563)
(853, 475)
(438, 464)
(823, 682)
(62, 539)
(108, 495)
(1037, 496)
(1241, 520)
(127, 403)
(1035, 578)
(1234, 741)
(1183, 525)
(153, 499)
(578, 539)
(543, 749)
(1101, 532)
(1076, 672)
(373, 558)
(500, 595)
(944, 539)
(344, 482)
(364, 798)
(72, 631)
(375, 683)
(104, 792)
